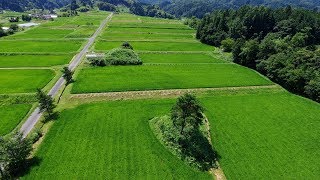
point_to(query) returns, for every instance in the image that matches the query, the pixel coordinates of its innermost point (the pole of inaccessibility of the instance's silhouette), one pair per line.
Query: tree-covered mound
(122, 56)
(185, 133)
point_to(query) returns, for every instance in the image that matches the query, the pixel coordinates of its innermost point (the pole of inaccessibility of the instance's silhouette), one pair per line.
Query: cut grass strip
(24, 80)
(153, 77)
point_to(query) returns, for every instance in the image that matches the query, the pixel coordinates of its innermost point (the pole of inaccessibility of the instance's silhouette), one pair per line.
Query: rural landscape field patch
(150, 77)
(109, 140)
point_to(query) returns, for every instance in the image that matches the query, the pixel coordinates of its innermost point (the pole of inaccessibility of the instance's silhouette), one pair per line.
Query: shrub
(227, 44)
(97, 61)
(126, 45)
(120, 56)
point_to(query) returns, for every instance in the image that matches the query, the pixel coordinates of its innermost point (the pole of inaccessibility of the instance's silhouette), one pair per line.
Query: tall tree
(46, 104)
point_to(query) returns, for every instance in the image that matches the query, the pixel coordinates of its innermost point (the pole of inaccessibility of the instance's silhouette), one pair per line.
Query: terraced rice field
(109, 141)
(24, 80)
(32, 58)
(11, 116)
(150, 77)
(265, 135)
(16, 60)
(259, 134)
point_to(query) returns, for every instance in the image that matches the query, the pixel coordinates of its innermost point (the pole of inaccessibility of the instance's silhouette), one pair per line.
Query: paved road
(36, 114)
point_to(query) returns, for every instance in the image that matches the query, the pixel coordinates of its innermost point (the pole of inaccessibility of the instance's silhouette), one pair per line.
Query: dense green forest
(281, 43)
(133, 6)
(200, 7)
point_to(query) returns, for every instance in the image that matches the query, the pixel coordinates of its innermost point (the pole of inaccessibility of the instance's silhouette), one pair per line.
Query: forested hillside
(281, 43)
(200, 7)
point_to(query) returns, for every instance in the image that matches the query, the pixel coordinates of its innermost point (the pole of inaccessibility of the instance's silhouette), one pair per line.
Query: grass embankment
(151, 77)
(109, 140)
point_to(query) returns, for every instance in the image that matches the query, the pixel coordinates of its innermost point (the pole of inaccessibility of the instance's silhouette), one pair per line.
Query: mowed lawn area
(16, 60)
(175, 58)
(109, 140)
(150, 77)
(155, 46)
(24, 80)
(11, 116)
(265, 135)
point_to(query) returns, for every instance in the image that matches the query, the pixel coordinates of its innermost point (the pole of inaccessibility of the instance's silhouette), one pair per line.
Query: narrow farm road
(36, 114)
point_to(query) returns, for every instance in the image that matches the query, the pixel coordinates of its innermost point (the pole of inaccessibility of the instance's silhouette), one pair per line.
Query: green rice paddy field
(175, 58)
(155, 46)
(11, 116)
(266, 135)
(34, 60)
(259, 134)
(40, 46)
(109, 141)
(150, 77)
(24, 80)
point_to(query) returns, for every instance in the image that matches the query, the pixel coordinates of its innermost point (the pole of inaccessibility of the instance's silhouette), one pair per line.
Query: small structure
(95, 55)
(27, 25)
(44, 16)
(5, 29)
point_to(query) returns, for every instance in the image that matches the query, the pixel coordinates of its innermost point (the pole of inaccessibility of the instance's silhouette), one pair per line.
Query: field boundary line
(160, 93)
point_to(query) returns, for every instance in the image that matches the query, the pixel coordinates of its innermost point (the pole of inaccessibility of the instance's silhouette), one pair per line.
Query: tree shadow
(29, 164)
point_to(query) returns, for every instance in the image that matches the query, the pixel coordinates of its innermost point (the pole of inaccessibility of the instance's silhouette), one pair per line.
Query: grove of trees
(280, 43)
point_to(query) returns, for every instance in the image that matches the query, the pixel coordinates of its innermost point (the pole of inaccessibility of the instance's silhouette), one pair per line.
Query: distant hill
(200, 7)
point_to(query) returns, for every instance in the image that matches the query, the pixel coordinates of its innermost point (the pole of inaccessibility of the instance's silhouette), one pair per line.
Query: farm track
(127, 95)
(36, 114)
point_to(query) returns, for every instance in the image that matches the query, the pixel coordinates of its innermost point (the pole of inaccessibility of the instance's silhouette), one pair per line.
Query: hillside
(200, 7)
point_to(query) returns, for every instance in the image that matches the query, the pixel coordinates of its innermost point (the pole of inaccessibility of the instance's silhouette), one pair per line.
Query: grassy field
(23, 80)
(109, 141)
(178, 58)
(142, 36)
(266, 135)
(40, 46)
(11, 115)
(149, 30)
(149, 77)
(40, 32)
(34, 60)
(156, 46)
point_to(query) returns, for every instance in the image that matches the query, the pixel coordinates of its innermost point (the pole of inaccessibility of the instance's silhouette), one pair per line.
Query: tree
(46, 103)
(67, 75)
(227, 44)
(103, 6)
(126, 45)
(14, 152)
(25, 17)
(14, 27)
(187, 114)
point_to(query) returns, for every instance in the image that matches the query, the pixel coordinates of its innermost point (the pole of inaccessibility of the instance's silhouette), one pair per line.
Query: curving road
(36, 114)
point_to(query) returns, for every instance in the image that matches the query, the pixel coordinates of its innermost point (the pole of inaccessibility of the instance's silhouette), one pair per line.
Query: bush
(227, 44)
(121, 56)
(126, 45)
(97, 61)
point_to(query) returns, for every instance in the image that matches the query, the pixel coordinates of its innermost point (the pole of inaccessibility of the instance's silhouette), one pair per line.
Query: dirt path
(156, 93)
(216, 172)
